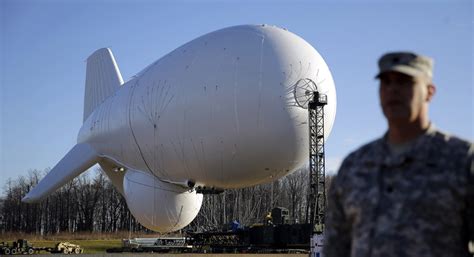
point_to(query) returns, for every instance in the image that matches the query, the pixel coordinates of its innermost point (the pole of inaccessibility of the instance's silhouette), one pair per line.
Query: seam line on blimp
(290, 75)
(236, 113)
(318, 83)
(131, 128)
(180, 154)
(199, 162)
(204, 161)
(179, 217)
(158, 98)
(300, 75)
(171, 217)
(308, 71)
(181, 143)
(260, 77)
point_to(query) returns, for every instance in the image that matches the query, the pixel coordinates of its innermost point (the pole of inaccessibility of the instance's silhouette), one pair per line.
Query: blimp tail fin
(103, 78)
(80, 158)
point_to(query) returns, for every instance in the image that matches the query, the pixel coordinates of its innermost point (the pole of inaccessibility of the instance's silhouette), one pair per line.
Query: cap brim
(402, 69)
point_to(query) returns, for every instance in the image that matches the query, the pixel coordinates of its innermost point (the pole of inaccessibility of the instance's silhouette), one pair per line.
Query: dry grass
(90, 242)
(89, 246)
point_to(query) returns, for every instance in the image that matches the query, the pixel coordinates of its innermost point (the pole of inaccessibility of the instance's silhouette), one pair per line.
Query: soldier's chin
(397, 115)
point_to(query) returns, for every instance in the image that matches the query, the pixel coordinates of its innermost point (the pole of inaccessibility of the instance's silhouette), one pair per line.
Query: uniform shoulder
(368, 148)
(365, 153)
(452, 142)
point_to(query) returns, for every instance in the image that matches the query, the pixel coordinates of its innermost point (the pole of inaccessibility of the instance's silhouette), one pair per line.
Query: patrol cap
(407, 63)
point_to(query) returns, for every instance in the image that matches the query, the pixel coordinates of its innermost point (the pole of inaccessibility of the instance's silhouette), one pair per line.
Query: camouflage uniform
(418, 203)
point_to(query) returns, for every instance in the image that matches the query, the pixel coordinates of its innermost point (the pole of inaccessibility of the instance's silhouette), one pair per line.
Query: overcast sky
(44, 45)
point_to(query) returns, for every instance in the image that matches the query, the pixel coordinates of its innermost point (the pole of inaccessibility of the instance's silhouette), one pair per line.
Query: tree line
(90, 203)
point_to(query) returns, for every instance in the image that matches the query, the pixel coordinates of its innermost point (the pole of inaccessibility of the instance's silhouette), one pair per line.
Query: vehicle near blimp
(67, 248)
(20, 246)
(225, 110)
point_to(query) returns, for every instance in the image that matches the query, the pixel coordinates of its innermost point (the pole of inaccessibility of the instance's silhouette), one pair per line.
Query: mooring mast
(317, 195)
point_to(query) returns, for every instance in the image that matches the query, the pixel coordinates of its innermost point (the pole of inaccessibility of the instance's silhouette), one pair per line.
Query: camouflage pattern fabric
(419, 203)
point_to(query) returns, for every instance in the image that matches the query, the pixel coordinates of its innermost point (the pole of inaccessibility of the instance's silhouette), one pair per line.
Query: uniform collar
(419, 150)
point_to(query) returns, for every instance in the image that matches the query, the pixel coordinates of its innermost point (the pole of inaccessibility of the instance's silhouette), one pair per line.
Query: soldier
(409, 193)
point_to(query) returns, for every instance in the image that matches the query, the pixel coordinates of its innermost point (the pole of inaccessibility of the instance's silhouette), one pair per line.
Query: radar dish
(303, 92)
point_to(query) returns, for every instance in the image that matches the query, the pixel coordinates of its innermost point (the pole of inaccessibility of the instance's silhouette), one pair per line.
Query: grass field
(90, 242)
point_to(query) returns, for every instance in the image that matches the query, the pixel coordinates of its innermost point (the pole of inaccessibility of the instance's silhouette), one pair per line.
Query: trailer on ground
(21, 246)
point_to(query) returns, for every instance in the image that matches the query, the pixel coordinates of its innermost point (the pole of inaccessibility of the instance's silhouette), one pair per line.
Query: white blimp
(226, 110)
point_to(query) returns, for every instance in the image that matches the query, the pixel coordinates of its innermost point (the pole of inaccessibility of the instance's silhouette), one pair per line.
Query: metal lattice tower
(317, 196)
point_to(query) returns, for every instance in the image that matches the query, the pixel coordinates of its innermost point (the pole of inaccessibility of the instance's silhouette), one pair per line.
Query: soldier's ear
(431, 92)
